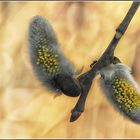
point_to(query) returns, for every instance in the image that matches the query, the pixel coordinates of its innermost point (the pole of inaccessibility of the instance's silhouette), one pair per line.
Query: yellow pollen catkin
(126, 94)
(48, 60)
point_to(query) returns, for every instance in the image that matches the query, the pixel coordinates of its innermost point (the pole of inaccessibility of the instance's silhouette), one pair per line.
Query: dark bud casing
(67, 84)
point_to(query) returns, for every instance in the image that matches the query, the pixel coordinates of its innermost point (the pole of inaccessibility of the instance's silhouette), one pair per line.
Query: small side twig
(106, 59)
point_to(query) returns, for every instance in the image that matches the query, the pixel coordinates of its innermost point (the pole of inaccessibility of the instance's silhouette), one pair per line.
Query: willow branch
(121, 29)
(106, 59)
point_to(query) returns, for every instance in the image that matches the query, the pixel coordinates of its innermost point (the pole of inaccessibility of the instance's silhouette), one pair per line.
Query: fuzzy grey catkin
(46, 56)
(122, 90)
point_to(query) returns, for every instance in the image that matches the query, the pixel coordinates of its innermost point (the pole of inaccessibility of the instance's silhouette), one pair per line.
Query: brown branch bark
(106, 59)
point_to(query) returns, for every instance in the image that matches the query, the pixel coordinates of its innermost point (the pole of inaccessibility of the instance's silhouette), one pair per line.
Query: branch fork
(107, 58)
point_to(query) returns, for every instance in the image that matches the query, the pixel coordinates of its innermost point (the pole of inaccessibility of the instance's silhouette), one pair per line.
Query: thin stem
(122, 28)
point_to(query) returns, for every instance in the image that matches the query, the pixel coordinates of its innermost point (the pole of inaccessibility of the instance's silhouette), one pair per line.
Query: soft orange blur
(84, 30)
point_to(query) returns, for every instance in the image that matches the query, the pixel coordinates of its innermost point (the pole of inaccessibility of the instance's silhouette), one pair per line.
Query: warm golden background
(27, 109)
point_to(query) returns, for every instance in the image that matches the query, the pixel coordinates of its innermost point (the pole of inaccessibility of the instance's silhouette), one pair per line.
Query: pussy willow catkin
(122, 90)
(46, 56)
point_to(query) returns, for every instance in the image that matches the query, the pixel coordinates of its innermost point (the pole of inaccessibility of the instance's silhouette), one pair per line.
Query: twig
(106, 59)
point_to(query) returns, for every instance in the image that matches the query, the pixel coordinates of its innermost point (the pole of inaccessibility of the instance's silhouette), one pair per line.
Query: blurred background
(84, 30)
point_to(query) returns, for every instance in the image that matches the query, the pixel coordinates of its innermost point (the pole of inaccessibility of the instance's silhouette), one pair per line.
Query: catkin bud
(50, 65)
(121, 89)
